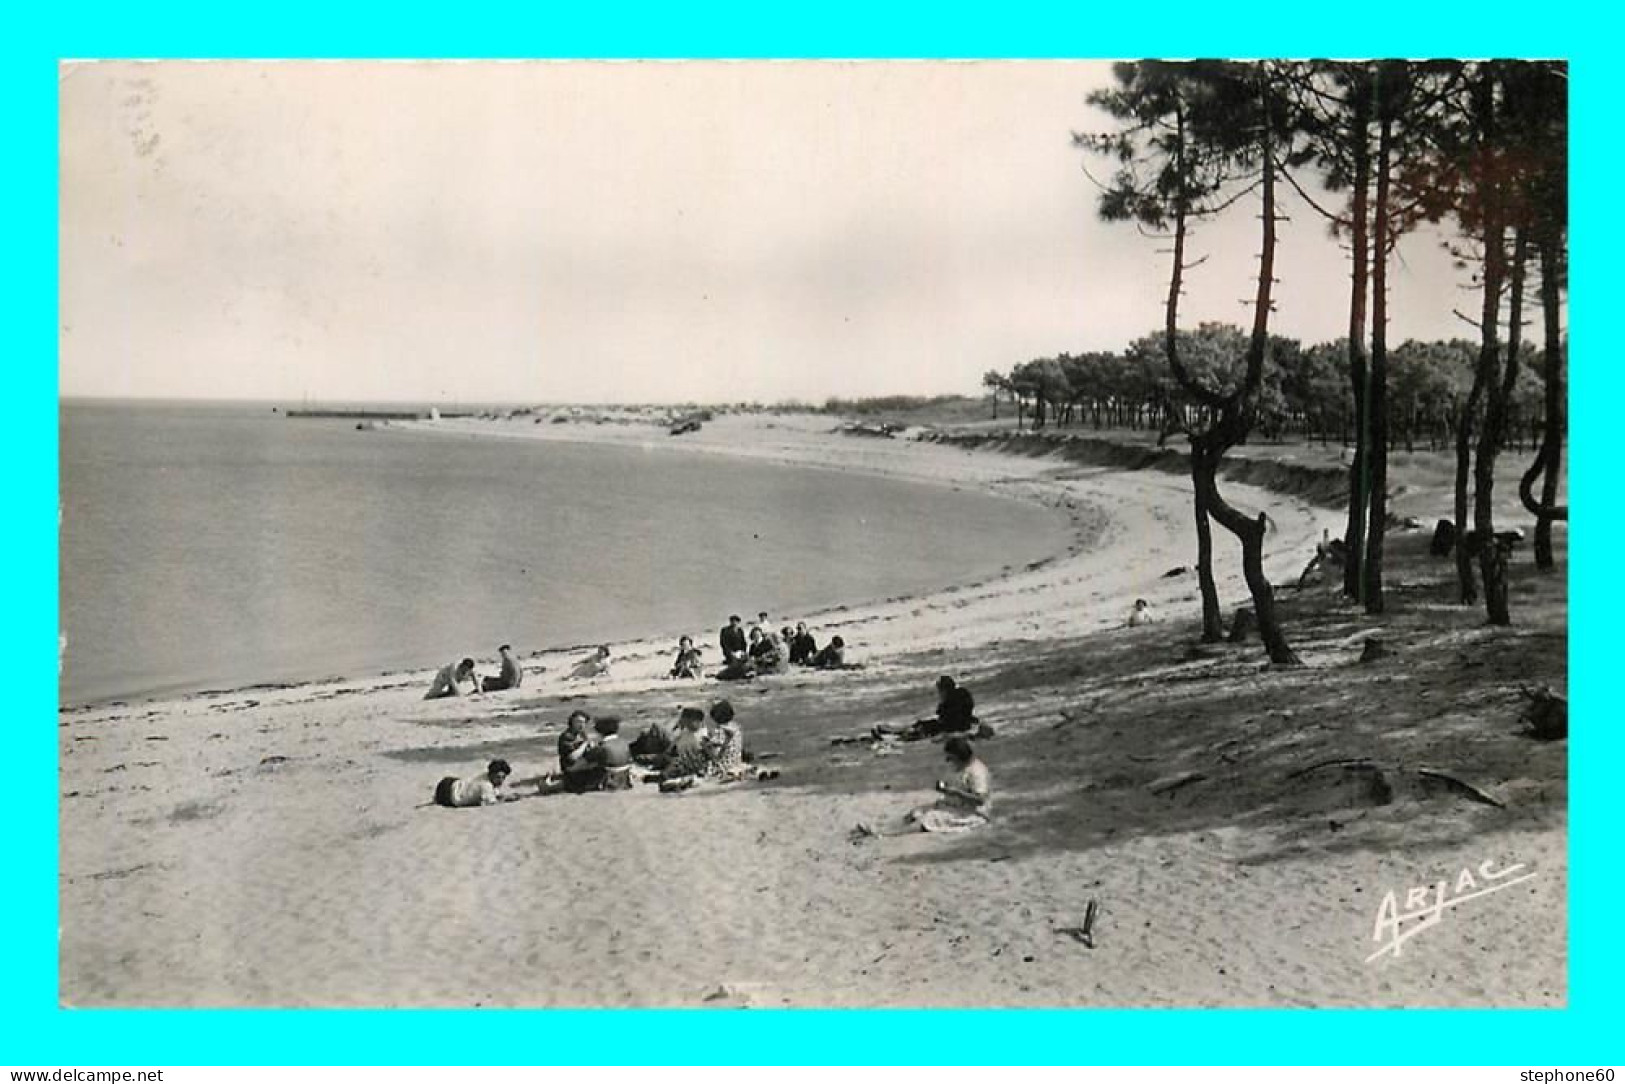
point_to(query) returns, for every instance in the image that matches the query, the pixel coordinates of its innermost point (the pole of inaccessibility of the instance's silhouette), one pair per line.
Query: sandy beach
(272, 846)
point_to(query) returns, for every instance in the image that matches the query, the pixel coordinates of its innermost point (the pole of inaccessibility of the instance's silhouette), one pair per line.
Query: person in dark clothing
(734, 646)
(654, 745)
(803, 647)
(510, 677)
(956, 714)
(687, 663)
(832, 657)
(606, 764)
(765, 654)
(574, 741)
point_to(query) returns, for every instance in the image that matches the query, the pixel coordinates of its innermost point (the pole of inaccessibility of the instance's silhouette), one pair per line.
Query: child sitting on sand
(454, 793)
(1142, 614)
(966, 800)
(687, 663)
(449, 677)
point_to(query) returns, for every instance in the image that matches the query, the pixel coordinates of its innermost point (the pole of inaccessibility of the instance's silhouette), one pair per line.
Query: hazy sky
(552, 232)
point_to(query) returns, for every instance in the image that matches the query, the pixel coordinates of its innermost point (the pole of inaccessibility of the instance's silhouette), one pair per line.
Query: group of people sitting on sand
(762, 651)
(676, 756)
(593, 756)
(745, 655)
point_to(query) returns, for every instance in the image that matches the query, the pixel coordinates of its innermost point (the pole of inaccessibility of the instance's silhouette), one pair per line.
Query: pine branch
(1341, 220)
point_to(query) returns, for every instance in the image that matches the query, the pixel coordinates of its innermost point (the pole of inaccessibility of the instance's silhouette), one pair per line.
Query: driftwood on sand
(1382, 777)
(1169, 784)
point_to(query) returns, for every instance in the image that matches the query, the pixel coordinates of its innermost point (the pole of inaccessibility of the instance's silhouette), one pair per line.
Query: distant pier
(361, 415)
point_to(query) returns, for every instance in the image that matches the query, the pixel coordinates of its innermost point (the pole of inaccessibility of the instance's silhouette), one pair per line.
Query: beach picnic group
(708, 745)
(746, 654)
(594, 756)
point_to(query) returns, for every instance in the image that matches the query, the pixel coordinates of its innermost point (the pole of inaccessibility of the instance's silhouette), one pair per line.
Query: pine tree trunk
(1202, 483)
(1258, 585)
(1549, 460)
(1354, 532)
(1491, 558)
(1250, 532)
(1466, 578)
(1489, 359)
(1230, 425)
(1377, 405)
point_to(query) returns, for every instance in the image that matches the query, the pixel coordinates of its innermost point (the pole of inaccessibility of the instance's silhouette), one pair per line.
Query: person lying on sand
(956, 714)
(687, 663)
(454, 793)
(593, 666)
(966, 800)
(448, 679)
(1142, 614)
(509, 677)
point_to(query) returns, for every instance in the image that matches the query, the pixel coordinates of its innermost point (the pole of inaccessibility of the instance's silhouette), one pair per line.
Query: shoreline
(633, 635)
(812, 442)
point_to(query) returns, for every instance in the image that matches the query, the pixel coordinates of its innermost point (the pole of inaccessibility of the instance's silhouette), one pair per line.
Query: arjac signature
(1425, 904)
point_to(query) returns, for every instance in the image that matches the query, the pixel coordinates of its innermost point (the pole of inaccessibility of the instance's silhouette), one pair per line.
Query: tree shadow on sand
(1133, 733)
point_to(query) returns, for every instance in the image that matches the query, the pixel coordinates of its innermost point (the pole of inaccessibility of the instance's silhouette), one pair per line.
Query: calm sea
(217, 547)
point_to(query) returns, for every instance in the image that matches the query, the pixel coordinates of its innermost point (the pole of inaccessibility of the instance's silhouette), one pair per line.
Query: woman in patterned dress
(727, 747)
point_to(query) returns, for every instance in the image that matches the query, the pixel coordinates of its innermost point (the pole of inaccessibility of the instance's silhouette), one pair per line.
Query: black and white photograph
(813, 534)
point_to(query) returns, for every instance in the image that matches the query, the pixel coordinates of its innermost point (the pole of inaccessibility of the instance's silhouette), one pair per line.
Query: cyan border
(36, 1032)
